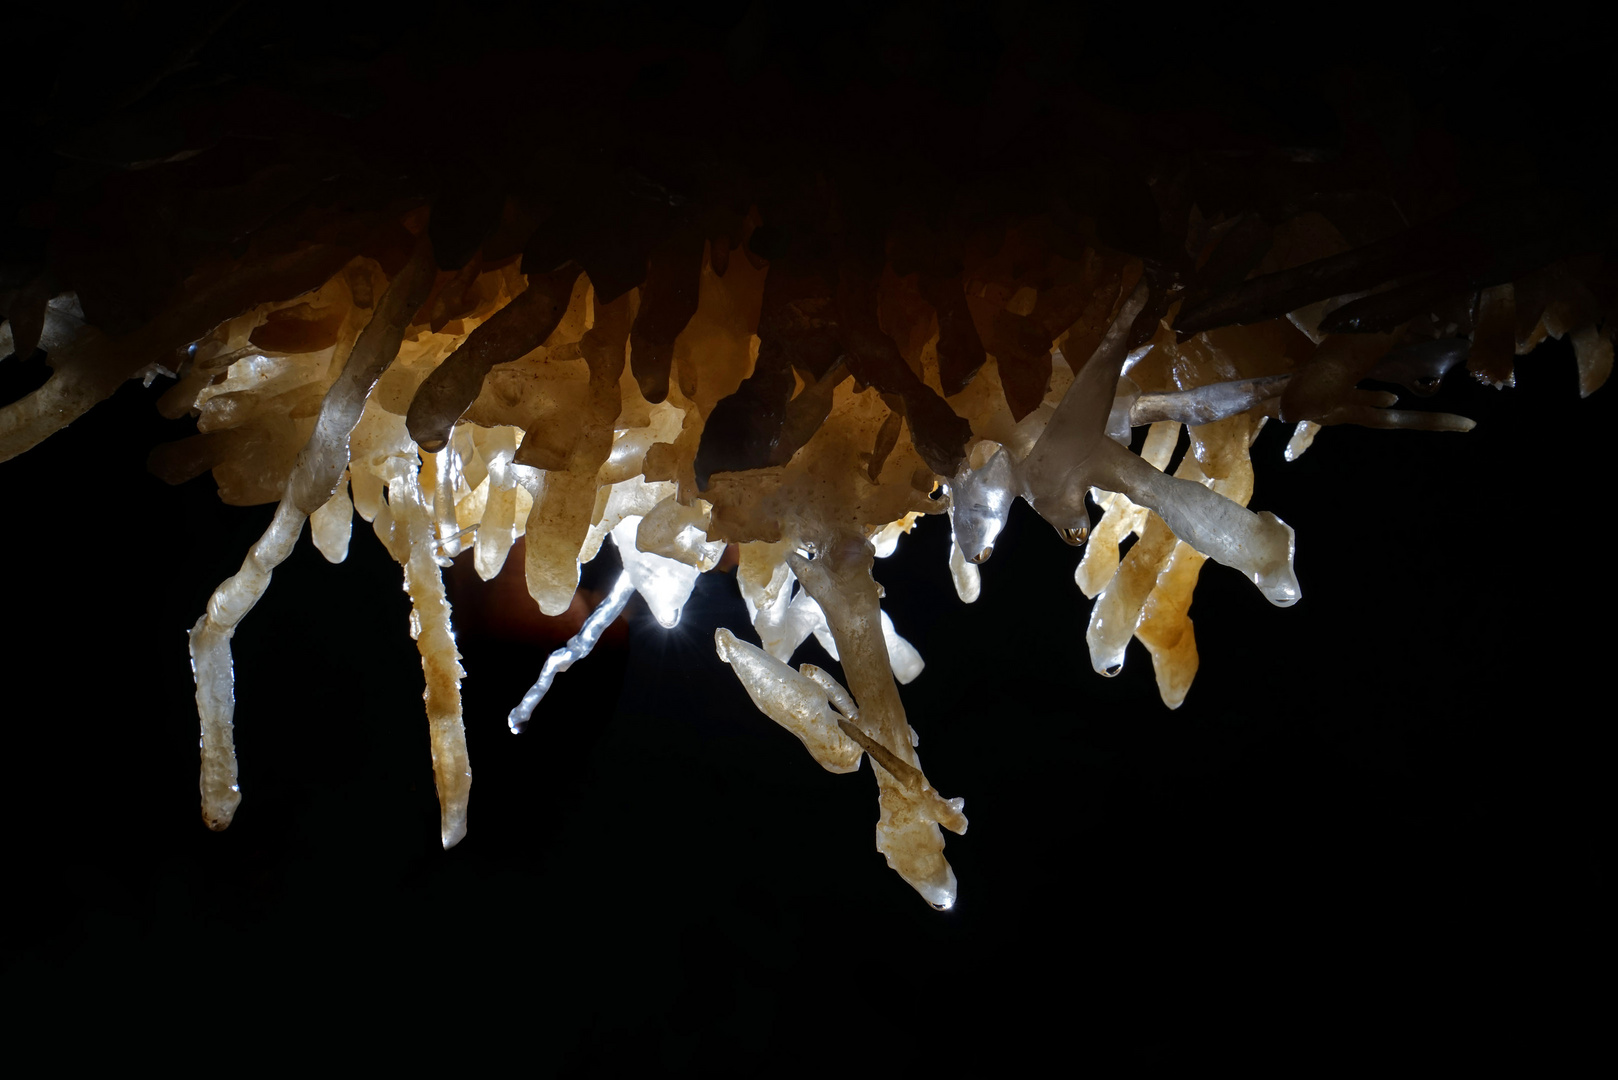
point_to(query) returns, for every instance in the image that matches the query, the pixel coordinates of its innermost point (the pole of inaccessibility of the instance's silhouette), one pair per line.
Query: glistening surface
(1530, 792)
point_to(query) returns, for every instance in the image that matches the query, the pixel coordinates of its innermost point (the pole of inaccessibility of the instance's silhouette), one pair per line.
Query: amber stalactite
(618, 321)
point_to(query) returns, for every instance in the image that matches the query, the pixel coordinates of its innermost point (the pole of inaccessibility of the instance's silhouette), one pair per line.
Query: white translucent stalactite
(907, 662)
(787, 621)
(1261, 546)
(314, 478)
(907, 832)
(886, 539)
(1121, 518)
(558, 523)
(967, 578)
(1206, 404)
(327, 452)
(1121, 419)
(1219, 457)
(762, 574)
(332, 525)
(577, 648)
(980, 500)
(1152, 571)
(815, 619)
(471, 491)
(447, 479)
(1049, 477)
(366, 488)
(1165, 627)
(1074, 454)
(630, 498)
(213, 670)
(415, 541)
(1117, 608)
(1371, 408)
(1303, 437)
(840, 698)
(469, 442)
(797, 703)
(497, 525)
(1053, 476)
(680, 533)
(663, 583)
(630, 445)
(781, 625)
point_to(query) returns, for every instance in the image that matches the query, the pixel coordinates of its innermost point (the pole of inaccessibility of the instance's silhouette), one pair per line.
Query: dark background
(1372, 831)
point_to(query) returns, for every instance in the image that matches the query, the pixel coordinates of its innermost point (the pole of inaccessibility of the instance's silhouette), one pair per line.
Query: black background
(1374, 830)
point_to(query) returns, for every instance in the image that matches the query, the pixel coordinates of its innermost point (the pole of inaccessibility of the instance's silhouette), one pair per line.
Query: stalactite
(639, 326)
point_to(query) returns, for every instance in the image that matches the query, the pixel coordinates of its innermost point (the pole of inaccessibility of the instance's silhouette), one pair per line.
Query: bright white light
(664, 584)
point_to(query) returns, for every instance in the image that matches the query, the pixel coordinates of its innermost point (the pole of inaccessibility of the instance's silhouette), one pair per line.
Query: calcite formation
(797, 363)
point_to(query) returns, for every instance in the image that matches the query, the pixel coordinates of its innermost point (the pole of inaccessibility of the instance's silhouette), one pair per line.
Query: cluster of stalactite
(797, 350)
(808, 423)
